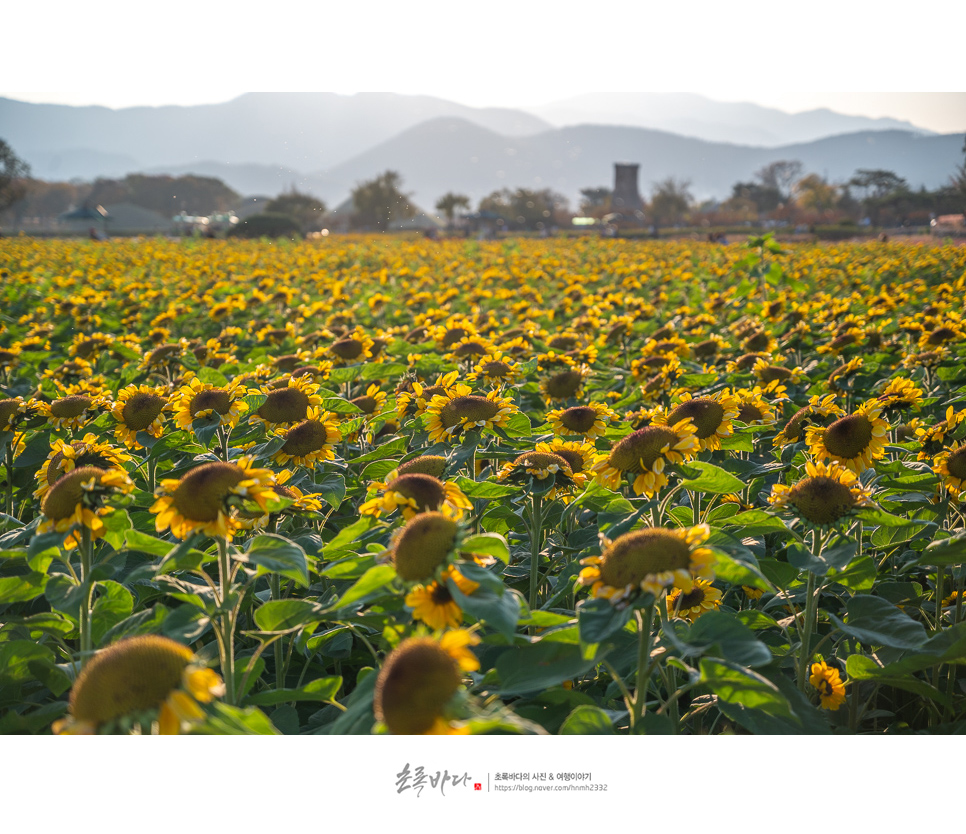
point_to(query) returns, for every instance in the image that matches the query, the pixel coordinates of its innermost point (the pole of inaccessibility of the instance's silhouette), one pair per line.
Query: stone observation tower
(627, 200)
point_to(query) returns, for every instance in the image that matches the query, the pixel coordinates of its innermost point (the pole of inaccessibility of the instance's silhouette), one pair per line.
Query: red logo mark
(477, 786)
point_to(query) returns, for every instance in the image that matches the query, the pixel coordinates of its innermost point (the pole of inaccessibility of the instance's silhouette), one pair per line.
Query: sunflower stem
(645, 620)
(227, 644)
(536, 530)
(84, 624)
(8, 504)
(276, 586)
(811, 612)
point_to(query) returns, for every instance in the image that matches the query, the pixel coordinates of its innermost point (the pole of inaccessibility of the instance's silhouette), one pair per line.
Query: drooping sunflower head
(828, 494)
(901, 394)
(140, 675)
(950, 465)
(434, 465)
(70, 412)
(565, 384)
(202, 499)
(12, 410)
(649, 560)
(424, 545)
(644, 453)
(753, 407)
(64, 457)
(855, 440)
(414, 493)
(818, 411)
(419, 679)
(77, 499)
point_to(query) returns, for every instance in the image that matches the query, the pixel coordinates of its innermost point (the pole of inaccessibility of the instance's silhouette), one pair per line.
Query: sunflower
(579, 455)
(855, 440)
(495, 369)
(138, 676)
(298, 503)
(539, 466)
(71, 412)
(753, 407)
(139, 408)
(202, 401)
(77, 499)
(416, 493)
(433, 604)
(818, 407)
(712, 417)
(310, 441)
(371, 402)
(415, 398)
(470, 349)
(828, 682)
(164, 357)
(690, 605)
(948, 331)
(843, 372)
(769, 373)
(12, 411)
(827, 494)
(202, 499)
(644, 454)
(901, 394)
(65, 457)
(933, 437)
(648, 560)
(566, 384)
(589, 421)
(418, 680)
(950, 465)
(288, 405)
(459, 410)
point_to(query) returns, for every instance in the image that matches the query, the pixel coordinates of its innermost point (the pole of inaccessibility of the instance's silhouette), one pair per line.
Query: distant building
(626, 204)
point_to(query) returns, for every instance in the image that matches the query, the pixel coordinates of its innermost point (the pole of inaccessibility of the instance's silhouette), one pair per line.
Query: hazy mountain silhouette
(697, 116)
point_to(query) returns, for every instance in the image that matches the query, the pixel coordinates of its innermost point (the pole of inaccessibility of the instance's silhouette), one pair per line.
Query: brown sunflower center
(750, 413)
(956, 464)
(348, 348)
(285, 405)
(757, 341)
(747, 361)
(307, 370)
(495, 369)
(414, 686)
(305, 438)
(797, 423)
(423, 546)
(633, 557)
(709, 347)
(82, 457)
(704, 412)
(453, 335)
(163, 354)
(141, 410)
(428, 492)
(774, 373)
(433, 465)
(132, 675)
(540, 460)
(822, 499)
(691, 599)
(564, 385)
(940, 335)
(470, 348)
(366, 403)
(7, 356)
(67, 492)
(201, 494)
(214, 398)
(287, 362)
(470, 408)
(440, 594)
(574, 459)
(579, 418)
(563, 343)
(72, 406)
(638, 451)
(7, 409)
(848, 436)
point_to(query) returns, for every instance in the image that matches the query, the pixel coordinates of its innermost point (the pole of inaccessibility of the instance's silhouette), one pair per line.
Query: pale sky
(496, 53)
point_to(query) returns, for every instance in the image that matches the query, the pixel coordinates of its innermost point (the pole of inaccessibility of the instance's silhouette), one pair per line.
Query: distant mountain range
(325, 143)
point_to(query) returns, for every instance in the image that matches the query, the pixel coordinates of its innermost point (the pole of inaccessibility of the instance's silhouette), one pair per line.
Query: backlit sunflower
(855, 440)
(203, 499)
(589, 421)
(580, 455)
(139, 408)
(299, 503)
(288, 405)
(828, 682)
(433, 604)
(65, 457)
(12, 411)
(950, 465)
(416, 493)
(202, 401)
(496, 370)
(702, 598)
(310, 441)
(644, 454)
(900, 394)
(77, 499)
(419, 679)
(933, 437)
(459, 410)
(827, 494)
(72, 412)
(434, 465)
(753, 408)
(147, 678)
(712, 416)
(371, 402)
(650, 561)
(414, 398)
(818, 410)
(541, 466)
(565, 385)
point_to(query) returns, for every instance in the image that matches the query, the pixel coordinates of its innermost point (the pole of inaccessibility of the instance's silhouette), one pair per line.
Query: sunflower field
(366, 486)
